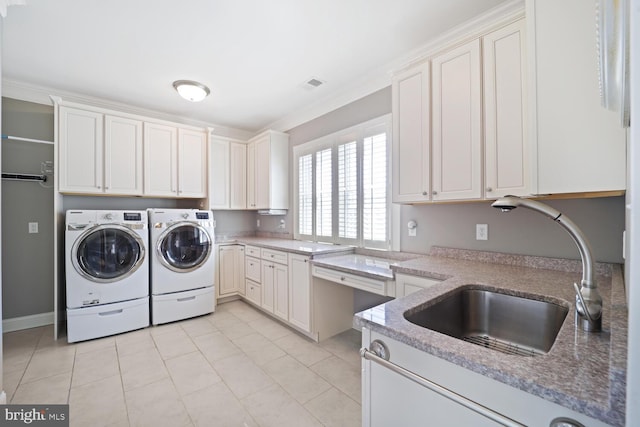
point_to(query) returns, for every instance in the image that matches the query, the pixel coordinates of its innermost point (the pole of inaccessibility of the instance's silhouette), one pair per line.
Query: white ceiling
(255, 55)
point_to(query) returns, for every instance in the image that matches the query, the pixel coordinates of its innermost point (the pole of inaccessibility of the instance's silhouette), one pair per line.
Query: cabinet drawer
(275, 256)
(253, 251)
(380, 287)
(253, 292)
(252, 269)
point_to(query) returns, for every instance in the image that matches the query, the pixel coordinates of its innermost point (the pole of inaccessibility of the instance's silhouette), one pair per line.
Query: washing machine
(182, 264)
(107, 272)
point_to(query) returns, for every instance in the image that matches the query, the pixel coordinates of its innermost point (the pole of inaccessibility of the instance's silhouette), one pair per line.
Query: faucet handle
(593, 324)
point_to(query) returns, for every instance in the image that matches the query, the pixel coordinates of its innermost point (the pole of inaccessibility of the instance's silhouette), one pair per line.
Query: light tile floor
(235, 367)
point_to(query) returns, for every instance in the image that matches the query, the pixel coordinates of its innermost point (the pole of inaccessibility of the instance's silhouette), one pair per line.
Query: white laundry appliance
(107, 272)
(182, 264)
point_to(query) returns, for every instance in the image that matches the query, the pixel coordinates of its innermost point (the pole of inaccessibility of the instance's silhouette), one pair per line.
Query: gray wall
(453, 225)
(27, 260)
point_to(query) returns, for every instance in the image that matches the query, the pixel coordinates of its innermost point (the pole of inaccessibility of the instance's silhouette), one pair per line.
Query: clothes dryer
(107, 272)
(182, 264)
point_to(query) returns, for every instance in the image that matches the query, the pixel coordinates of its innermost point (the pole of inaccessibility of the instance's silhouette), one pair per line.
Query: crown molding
(46, 95)
(382, 76)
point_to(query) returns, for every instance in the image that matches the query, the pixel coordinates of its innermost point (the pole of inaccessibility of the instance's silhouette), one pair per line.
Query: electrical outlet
(33, 227)
(482, 232)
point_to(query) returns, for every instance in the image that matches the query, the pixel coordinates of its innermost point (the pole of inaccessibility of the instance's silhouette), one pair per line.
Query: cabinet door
(507, 151)
(123, 161)
(238, 176)
(160, 165)
(281, 291)
(192, 163)
(300, 292)
(263, 173)
(457, 124)
(239, 269)
(80, 155)
(219, 174)
(251, 176)
(227, 284)
(411, 136)
(268, 286)
(253, 292)
(581, 146)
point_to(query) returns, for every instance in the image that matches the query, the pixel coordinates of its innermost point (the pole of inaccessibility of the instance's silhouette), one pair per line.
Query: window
(342, 186)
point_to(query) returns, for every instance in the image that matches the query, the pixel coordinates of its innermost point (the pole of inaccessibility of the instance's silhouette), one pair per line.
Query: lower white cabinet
(300, 292)
(231, 276)
(388, 398)
(275, 289)
(253, 291)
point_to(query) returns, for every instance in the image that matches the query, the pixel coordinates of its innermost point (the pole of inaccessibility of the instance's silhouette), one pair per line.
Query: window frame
(356, 133)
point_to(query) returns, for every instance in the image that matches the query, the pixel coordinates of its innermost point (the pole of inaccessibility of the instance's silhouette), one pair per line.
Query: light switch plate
(33, 227)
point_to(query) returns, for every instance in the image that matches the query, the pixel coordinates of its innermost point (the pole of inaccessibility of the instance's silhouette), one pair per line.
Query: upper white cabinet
(467, 139)
(508, 158)
(457, 124)
(192, 163)
(161, 165)
(80, 152)
(175, 163)
(228, 174)
(99, 154)
(123, 160)
(105, 152)
(411, 135)
(268, 171)
(581, 146)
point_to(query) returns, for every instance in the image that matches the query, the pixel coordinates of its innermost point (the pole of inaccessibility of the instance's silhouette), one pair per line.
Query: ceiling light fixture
(191, 90)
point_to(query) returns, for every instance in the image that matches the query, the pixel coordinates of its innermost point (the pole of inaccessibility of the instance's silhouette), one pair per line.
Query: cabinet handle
(378, 347)
(424, 193)
(489, 189)
(342, 278)
(434, 192)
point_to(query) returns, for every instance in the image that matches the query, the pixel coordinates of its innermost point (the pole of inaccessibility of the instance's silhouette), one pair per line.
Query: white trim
(43, 95)
(380, 78)
(3, 398)
(17, 138)
(27, 322)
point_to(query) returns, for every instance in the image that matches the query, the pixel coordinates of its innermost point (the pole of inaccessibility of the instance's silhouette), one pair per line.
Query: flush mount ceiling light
(190, 90)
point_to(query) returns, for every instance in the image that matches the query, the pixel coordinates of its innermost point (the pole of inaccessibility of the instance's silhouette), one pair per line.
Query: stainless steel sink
(506, 323)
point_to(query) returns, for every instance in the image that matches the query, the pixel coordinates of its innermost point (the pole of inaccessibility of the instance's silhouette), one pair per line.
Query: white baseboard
(27, 322)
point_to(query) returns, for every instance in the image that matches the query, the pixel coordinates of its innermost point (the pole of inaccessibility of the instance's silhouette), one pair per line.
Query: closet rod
(17, 138)
(24, 177)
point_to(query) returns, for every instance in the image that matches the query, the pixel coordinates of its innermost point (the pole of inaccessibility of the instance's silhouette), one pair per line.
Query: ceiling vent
(313, 83)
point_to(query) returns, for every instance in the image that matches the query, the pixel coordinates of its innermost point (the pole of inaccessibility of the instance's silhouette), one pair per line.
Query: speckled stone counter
(371, 263)
(585, 372)
(295, 246)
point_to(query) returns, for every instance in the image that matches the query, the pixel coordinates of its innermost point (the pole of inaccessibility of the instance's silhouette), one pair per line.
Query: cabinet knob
(424, 193)
(434, 192)
(489, 189)
(342, 278)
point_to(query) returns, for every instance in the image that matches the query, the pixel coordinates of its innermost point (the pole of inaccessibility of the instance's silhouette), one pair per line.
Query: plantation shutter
(374, 188)
(324, 194)
(305, 195)
(348, 191)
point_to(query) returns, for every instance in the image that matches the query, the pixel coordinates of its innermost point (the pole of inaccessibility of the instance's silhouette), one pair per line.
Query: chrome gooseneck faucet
(588, 299)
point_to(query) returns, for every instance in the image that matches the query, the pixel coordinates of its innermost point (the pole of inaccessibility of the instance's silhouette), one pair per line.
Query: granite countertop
(585, 372)
(311, 249)
(366, 263)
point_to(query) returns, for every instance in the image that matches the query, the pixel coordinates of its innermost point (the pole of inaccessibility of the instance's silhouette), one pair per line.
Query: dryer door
(184, 247)
(108, 253)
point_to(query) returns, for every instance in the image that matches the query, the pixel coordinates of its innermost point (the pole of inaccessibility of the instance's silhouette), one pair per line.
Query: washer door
(184, 247)
(107, 253)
